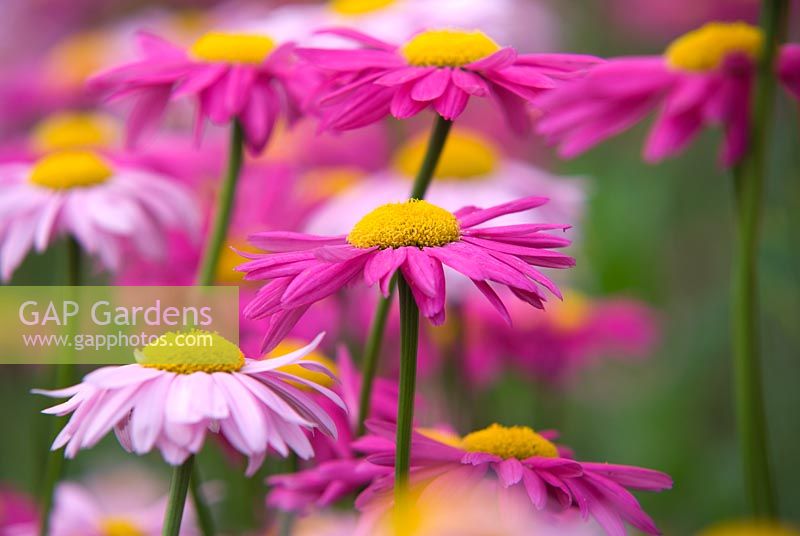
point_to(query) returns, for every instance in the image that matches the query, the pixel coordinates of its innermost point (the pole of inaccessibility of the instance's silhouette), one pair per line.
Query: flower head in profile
(524, 462)
(705, 77)
(554, 345)
(233, 76)
(438, 69)
(101, 200)
(418, 239)
(177, 392)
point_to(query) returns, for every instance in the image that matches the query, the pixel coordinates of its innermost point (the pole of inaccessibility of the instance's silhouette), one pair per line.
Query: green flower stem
(64, 376)
(178, 487)
(438, 137)
(204, 519)
(409, 338)
(208, 266)
(749, 184)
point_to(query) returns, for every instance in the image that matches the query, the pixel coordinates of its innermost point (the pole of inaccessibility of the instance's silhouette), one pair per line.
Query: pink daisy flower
(103, 202)
(438, 69)
(419, 239)
(522, 459)
(175, 394)
(234, 76)
(789, 68)
(704, 77)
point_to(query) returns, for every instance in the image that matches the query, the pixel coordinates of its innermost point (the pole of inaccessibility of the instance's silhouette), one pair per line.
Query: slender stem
(749, 184)
(373, 348)
(64, 376)
(208, 266)
(178, 487)
(409, 338)
(436, 141)
(203, 513)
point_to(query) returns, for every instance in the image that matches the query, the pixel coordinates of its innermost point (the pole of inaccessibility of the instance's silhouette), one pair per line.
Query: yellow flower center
(119, 526)
(750, 528)
(359, 7)
(570, 314)
(74, 131)
(73, 60)
(448, 48)
(290, 345)
(441, 436)
(411, 223)
(225, 47)
(518, 442)
(466, 155)
(228, 261)
(324, 183)
(705, 48)
(70, 169)
(185, 352)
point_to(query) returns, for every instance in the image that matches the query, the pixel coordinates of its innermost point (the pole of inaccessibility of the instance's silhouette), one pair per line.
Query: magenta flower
(175, 394)
(705, 77)
(233, 76)
(417, 238)
(789, 68)
(438, 69)
(520, 457)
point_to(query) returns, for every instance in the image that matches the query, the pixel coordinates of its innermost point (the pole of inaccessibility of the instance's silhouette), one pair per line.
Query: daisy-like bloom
(704, 77)
(789, 68)
(556, 344)
(233, 76)
(176, 393)
(470, 167)
(523, 459)
(751, 527)
(439, 69)
(418, 239)
(18, 514)
(103, 202)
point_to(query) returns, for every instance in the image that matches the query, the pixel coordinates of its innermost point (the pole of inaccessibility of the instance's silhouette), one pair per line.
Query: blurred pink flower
(97, 199)
(789, 68)
(436, 69)
(519, 457)
(705, 77)
(17, 512)
(243, 77)
(416, 237)
(555, 344)
(176, 393)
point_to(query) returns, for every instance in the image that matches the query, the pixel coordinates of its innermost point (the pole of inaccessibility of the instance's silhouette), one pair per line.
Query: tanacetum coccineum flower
(103, 202)
(175, 394)
(246, 77)
(438, 69)
(419, 239)
(522, 459)
(704, 77)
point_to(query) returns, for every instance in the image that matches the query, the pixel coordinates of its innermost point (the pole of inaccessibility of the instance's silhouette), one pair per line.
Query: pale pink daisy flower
(439, 69)
(99, 200)
(233, 76)
(175, 394)
(704, 78)
(789, 68)
(418, 239)
(520, 459)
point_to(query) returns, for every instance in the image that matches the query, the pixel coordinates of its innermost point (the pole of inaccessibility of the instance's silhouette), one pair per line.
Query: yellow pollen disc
(570, 314)
(441, 436)
(224, 47)
(750, 528)
(518, 442)
(70, 169)
(185, 352)
(359, 7)
(119, 526)
(411, 223)
(228, 261)
(466, 155)
(705, 48)
(448, 48)
(76, 58)
(290, 345)
(74, 131)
